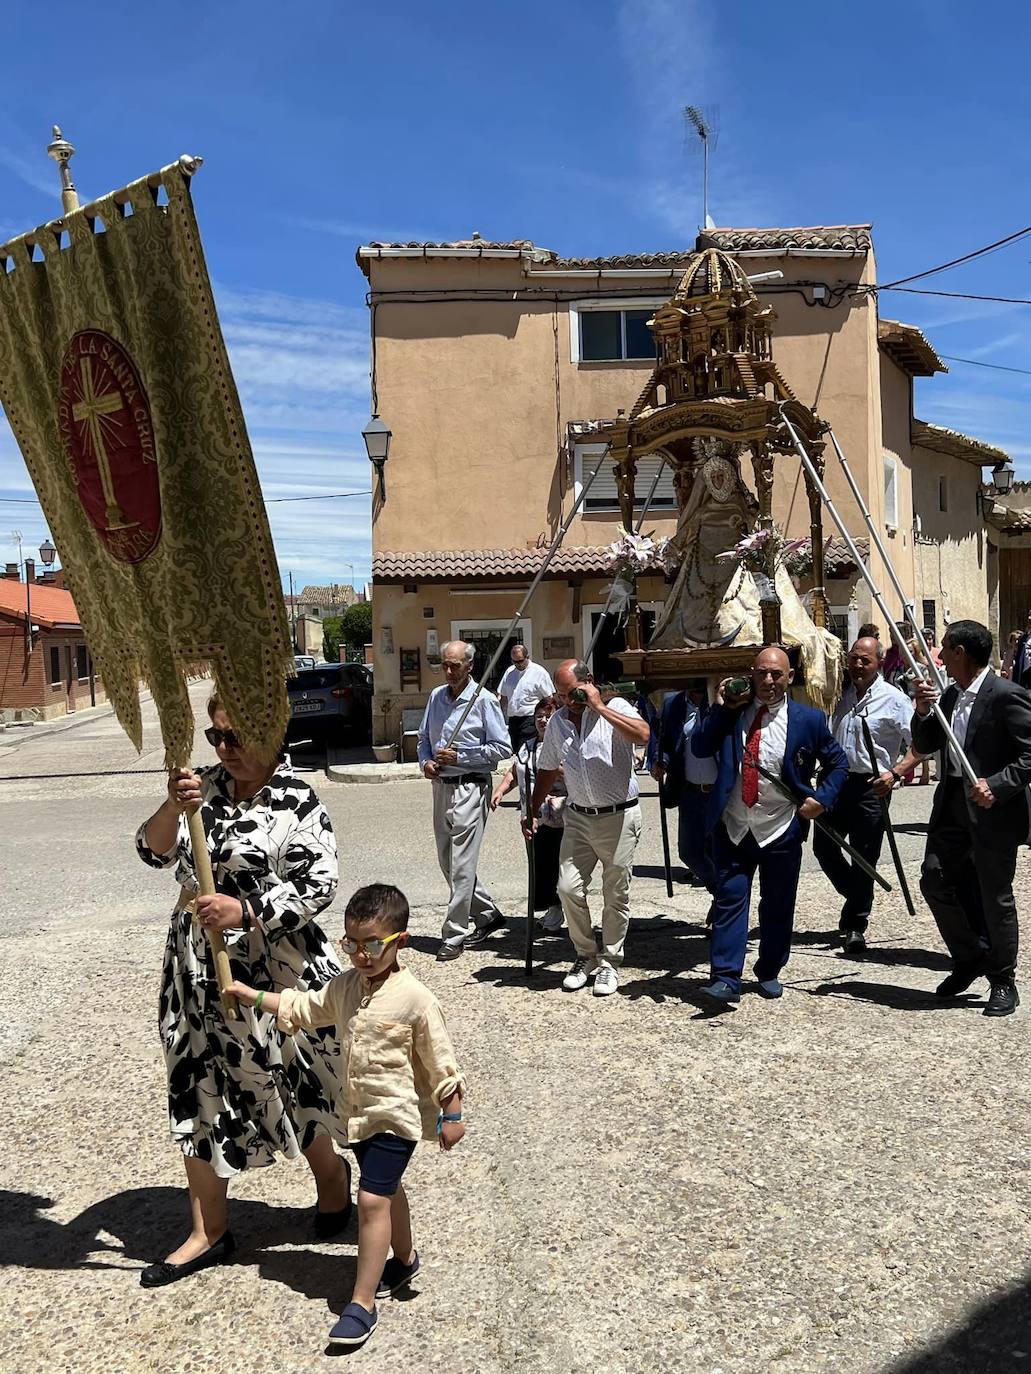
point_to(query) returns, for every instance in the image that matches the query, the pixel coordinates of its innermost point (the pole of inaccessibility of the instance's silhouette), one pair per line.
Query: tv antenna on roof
(703, 121)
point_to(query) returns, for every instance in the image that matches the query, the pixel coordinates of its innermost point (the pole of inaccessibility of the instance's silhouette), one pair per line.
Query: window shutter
(603, 495)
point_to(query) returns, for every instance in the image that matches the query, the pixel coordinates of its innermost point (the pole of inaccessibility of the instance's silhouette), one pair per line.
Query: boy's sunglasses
(372, 949)
(229, 738)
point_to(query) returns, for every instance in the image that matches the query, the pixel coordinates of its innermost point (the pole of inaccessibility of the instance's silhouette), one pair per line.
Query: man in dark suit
(687, 781)
(753, 825)
(1020, 673)
(974, 833)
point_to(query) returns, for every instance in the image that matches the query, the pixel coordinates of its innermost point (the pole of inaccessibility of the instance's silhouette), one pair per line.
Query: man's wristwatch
(895, 774)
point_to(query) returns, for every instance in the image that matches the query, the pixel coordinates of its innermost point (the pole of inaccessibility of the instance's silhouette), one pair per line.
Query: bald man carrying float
(754, 827)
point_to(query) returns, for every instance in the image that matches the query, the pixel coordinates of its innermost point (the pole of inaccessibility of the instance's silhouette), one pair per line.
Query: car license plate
(303, 707)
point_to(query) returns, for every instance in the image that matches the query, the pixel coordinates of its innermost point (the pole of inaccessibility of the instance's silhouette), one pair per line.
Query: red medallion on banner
(108, 436)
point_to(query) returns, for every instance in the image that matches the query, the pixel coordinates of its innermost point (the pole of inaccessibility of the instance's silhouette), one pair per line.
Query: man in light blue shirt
(460, 774)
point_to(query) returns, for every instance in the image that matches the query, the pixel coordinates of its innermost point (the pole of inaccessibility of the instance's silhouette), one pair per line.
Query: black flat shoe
(481, 933)
(157, 1275)
(330, 1224)
(448, 952)
(958, 981)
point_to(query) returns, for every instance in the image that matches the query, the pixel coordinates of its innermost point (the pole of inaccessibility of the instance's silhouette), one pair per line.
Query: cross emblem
(91, 412)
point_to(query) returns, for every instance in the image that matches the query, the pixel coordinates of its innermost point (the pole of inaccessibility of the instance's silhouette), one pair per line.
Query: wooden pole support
(206, 882)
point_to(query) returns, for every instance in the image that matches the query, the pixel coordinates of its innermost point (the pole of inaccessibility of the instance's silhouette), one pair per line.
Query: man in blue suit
(753, 825)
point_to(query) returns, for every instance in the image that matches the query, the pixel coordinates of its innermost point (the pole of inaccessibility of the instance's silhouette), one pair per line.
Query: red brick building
(57, 676)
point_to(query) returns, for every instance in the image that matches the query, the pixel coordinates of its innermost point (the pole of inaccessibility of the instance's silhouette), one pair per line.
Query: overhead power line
(996, 367)
(953, 295)
(955, 262)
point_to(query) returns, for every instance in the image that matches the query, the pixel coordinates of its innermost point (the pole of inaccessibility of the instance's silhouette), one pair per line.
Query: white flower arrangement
(761, 551)
(632, 554)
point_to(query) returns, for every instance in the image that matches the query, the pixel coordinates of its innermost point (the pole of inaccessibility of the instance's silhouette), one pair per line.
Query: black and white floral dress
(239, 1091)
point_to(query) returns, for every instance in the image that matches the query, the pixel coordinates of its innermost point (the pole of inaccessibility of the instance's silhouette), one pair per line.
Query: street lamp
(47, 553)
(377, 445)
(1002, 477)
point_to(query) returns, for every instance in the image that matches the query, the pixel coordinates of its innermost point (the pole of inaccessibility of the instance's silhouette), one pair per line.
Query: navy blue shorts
(383, 1158)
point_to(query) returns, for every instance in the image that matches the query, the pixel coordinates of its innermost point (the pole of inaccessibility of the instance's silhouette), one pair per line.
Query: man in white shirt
(461, 775)
(974, 832)
(522, 687)
(871, 713)
(593, 742)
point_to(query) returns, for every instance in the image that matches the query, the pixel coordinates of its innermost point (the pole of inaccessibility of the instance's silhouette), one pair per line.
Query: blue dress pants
(778, 865)
(693, 844)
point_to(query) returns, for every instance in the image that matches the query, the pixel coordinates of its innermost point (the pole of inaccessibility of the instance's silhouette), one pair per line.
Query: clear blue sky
(324, 125)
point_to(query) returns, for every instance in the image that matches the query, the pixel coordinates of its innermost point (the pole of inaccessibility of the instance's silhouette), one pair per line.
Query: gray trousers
(459, 815)
(586, 842)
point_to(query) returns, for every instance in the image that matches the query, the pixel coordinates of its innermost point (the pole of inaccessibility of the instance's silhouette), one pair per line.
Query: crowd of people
(321, 1055)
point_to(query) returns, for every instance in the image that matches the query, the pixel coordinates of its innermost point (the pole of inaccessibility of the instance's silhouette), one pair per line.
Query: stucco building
(492, 362)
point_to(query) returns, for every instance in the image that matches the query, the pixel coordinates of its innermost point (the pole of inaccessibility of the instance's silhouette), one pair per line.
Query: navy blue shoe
(770, 988)
(396, 1276)
(355, 1325)
(720, 991)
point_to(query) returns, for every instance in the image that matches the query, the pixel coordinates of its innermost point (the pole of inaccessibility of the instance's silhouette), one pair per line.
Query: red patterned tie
(749, 764)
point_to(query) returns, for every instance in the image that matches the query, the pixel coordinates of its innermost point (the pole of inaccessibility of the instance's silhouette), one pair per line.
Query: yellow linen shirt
(398, 1062)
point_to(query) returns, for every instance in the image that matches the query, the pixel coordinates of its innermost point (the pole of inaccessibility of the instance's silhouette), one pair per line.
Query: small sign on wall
(410, 675)
(558, 646)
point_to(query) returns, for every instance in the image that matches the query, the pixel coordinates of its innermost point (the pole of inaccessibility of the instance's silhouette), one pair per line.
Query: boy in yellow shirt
(401, 1080)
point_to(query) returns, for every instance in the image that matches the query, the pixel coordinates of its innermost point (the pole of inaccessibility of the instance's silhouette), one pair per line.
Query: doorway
(485, 636)
(612, 640)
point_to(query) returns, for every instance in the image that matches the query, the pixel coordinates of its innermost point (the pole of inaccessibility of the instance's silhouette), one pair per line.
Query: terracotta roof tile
(847, 238)
(466, 565)
(957, 445)
(50, 605)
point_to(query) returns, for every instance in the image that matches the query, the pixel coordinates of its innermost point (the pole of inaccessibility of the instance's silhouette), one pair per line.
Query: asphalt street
(837, 1181)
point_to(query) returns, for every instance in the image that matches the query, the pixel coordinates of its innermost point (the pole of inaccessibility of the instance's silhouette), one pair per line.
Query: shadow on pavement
(899, 998)
(148, 1222)
(992, 1340)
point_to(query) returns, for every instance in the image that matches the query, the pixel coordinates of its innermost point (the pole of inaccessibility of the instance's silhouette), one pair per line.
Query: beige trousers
(586, 842)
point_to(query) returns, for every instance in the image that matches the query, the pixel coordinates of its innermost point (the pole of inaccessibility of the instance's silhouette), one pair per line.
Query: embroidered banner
(114, 376)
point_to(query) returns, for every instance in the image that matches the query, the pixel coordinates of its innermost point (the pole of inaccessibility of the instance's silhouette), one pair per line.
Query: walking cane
(828, 830)
(889, 832)
(531, 861)
(663, 825)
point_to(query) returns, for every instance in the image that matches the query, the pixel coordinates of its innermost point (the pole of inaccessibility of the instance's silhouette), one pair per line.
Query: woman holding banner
(238, 1091)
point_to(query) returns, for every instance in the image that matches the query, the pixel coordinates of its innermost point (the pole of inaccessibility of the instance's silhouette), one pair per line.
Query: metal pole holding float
(526, 599)
(916, 668)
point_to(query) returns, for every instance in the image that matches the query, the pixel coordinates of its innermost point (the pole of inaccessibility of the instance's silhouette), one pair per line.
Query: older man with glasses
(460, 772)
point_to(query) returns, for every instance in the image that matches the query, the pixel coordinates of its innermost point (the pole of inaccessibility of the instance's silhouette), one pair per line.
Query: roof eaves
(909, 348)
(956, 445)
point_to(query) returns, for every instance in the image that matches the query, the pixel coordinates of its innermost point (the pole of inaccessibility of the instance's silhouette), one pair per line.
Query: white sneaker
(584, 966)
(553, 919)
(606, 982)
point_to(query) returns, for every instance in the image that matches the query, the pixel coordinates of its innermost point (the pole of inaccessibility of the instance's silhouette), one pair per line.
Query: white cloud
(34, 173)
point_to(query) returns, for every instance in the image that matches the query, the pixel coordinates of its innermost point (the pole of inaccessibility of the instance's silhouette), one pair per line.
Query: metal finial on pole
(62, 152)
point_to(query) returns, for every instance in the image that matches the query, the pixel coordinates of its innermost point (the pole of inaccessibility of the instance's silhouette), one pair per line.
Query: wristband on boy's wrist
(447, 1116)
(259, 999)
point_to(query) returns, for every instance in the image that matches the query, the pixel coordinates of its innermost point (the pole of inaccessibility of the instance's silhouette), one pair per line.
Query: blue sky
(324, 125)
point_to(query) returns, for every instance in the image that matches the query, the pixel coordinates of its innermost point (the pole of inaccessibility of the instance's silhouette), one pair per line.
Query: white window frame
(577, 308)
(891, 518)
(467, 623)
(586, 608)
(586, 456)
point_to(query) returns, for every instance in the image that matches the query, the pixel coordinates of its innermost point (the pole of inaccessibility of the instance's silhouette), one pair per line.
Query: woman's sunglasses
(229, 738)
(372, 949)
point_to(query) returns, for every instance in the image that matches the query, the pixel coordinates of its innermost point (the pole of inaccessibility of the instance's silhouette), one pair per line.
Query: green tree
(356, 628)
(332, 627)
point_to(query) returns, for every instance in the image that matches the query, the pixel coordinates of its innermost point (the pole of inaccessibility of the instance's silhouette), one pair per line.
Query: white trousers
(459, 815)
(586, 842)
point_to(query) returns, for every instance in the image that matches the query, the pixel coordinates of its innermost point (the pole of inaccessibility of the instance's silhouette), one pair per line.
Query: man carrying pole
(872, 717)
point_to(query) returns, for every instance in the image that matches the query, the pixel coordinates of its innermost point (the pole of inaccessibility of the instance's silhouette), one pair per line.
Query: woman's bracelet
(259, 999)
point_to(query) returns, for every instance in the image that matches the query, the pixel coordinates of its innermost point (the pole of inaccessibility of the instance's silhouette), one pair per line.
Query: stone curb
(338, 770)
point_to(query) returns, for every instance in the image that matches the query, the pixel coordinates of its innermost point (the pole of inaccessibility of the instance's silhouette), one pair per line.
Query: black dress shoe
(447, 952)
(1004, 1000)
(157, 1275)
(958, 980)
(480, 933)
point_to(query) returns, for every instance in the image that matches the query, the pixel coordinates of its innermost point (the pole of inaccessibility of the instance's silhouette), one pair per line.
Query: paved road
(837, 1182)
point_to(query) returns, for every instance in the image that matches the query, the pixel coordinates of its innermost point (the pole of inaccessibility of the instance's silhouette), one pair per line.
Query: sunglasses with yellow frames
(372, 949)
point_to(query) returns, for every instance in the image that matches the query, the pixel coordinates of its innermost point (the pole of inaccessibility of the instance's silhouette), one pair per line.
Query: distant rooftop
(956, 445)
(909, 348)
(853, 239)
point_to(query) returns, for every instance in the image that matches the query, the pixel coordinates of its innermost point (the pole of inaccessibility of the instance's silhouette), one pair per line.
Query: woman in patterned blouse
(238, 1091)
